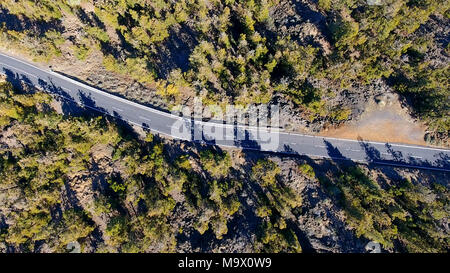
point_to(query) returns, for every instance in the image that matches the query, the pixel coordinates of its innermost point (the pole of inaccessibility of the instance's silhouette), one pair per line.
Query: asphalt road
(251, 138)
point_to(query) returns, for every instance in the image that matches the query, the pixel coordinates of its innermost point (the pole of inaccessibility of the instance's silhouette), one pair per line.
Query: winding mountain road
(251, 138)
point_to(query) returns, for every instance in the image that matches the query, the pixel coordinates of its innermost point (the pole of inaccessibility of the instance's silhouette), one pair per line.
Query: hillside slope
(114, 188)
(322, 61)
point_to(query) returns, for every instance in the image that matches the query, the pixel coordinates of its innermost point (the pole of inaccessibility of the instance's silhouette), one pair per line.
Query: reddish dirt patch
(384, 123)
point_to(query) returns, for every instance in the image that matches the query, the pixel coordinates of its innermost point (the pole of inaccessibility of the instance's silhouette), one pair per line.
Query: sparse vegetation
(235, 59)
(137, 199)
(87, 179)
(406, 214)
(276, 204)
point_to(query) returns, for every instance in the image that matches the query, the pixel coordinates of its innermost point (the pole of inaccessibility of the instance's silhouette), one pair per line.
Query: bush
(307, 170)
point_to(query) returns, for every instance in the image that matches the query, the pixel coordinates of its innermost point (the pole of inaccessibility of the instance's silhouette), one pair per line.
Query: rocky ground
(305, 24)
(319, 223)
(376, 114)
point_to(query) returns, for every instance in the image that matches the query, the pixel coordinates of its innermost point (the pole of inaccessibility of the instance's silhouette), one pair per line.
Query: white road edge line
(249, 148)
(177, 117)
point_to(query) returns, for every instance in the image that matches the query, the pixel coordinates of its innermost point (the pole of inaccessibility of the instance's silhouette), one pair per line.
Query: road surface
(250, 138)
